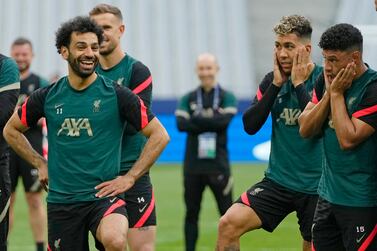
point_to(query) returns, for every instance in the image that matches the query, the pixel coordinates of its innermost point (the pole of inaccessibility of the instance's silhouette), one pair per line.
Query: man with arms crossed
(9, 89)
(293, 172)
(85, 113)
(344, 111)
(22, 52)
(115, 64)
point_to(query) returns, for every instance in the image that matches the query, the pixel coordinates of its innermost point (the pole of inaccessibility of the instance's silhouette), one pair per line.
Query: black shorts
(140, 204)
(69, 224)
(4, 199)
(339, 228)
(19, 167)
(273, 202)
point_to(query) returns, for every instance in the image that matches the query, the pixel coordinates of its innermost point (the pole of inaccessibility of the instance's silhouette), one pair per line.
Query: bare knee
(227, 228)
(34, 201)
(114, 242)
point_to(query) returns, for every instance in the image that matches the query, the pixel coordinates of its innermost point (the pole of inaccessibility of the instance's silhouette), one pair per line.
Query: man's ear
(64, 52)
(308, 48)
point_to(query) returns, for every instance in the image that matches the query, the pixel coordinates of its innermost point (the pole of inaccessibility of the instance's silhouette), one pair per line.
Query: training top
(349, 177)
(135, 75)
(84, 133)
(294, 162)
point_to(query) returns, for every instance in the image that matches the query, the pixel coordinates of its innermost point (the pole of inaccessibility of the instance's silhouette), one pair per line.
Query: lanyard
(216, 98)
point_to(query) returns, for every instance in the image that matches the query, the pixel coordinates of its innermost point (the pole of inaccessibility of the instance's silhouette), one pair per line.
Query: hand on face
(343, 79)
(279, 76)
(301, 66)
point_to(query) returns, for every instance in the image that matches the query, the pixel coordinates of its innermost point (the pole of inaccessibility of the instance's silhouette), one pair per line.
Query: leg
(109, 224)
(14, 172)
(37, 216)
(238, 220)
(194, 187)
(305, 205)
(222, 188)
(142, 239)
(4, 200)
(325, 231)
(358, 226)
(67, 226)
(141, 210)
(11, 210)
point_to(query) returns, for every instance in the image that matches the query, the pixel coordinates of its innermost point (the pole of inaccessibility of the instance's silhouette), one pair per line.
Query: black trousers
(194, 185)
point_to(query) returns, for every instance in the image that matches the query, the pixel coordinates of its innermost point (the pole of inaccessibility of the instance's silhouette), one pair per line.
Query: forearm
(256, 115)
(313, 117)
(216, 123)
(156, 143)
(22, 147)
(344, 127)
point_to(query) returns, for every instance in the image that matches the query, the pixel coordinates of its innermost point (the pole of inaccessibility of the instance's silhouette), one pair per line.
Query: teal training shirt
(85, 129)
(349, 177)
(132, 74)
(294, 162)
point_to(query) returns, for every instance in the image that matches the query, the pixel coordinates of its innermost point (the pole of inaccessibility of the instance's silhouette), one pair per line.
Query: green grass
(167, 180)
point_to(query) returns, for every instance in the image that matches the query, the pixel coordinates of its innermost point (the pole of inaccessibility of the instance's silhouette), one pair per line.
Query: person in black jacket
(9, 89)
(205, 114)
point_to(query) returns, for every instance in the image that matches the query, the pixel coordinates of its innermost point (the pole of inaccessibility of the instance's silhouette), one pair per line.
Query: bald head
(207, 69)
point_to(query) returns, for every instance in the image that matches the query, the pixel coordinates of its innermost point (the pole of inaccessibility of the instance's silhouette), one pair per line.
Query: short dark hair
(341, 37)
(22, 41)
(106, 8)
(296, 24)
(80, 24)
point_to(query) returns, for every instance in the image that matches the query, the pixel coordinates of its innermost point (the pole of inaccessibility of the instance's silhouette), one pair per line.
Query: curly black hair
(80, 24)
(341, 37)
(297, 24)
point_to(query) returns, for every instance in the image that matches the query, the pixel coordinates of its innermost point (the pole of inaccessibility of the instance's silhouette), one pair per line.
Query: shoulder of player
(266, 81)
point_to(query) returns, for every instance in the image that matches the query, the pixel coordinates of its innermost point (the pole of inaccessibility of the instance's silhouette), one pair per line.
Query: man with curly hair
(344, 111)
(293, 172)
(85, 115)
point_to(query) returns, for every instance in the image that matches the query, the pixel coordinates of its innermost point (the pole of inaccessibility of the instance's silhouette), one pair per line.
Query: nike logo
(112, 200)
(142, 209)
(359, 239)
(58, 105)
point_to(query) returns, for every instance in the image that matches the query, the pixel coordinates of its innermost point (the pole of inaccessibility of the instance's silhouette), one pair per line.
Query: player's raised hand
(301, 66)
(114, 187)
(279, 76)
(343, 79)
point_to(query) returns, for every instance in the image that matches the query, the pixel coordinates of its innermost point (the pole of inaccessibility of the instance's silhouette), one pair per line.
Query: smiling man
(293, 172)
(205, 114)
(85, 114)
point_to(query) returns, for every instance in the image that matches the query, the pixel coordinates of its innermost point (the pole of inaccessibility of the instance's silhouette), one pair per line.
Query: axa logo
(72, 127)
(290, 116)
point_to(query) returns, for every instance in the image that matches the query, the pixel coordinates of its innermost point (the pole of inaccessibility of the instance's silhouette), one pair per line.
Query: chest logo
(96, 105)
(290, 116)
(120, 81)
(72, 127)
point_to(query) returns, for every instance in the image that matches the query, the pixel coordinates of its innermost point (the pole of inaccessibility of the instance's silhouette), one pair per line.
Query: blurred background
(167, 35)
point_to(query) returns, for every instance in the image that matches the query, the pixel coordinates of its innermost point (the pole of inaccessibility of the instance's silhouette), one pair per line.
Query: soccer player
(293, 172)
(22, 52)
(205, 114)
(9, 89)
(115, 64)
(344, 111)
(85, 115)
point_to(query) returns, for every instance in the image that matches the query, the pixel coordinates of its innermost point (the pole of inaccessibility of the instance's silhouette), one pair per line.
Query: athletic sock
(40, 246)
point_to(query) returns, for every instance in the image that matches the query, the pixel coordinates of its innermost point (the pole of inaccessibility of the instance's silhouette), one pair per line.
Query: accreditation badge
(207, 145)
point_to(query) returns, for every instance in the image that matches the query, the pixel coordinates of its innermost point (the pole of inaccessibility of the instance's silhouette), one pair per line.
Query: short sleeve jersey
(349, 177)
(85, 129)
(132, 74)
(294, 162)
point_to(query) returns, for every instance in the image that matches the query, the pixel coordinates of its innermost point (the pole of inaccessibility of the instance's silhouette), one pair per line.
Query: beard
(107, 50)
(76, 66)
(22, 67)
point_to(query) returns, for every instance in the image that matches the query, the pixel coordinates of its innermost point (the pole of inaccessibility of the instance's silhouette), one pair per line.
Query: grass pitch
(167, 181)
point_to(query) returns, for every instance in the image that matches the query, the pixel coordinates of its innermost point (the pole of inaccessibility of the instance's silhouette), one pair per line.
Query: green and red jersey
(85, 130)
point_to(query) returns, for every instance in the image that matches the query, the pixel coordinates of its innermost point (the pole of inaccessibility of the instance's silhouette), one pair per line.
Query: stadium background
(167, 35)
